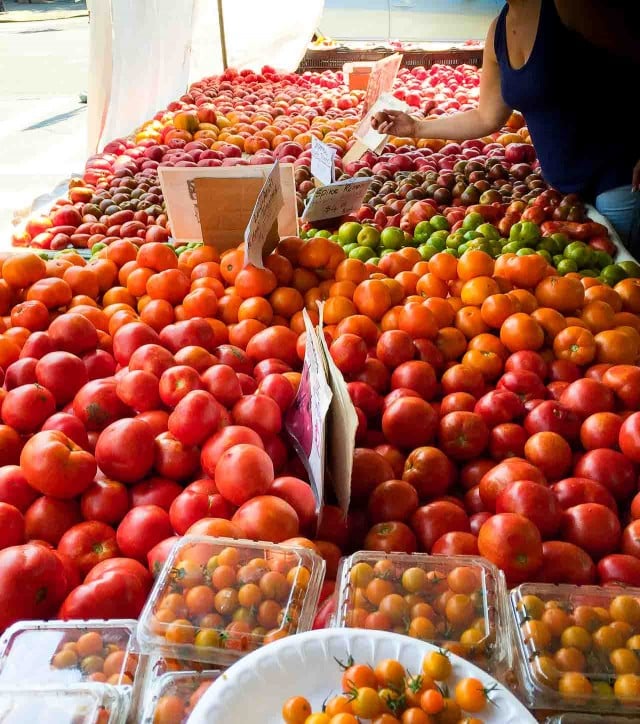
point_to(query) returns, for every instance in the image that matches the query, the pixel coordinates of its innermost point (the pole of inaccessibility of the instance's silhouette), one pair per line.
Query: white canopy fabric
(144, 53)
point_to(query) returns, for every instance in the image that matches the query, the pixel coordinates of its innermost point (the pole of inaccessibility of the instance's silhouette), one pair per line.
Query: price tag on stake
(322, 161)
(335, 200)
(306, 418)
(342, 426)
(265, 212)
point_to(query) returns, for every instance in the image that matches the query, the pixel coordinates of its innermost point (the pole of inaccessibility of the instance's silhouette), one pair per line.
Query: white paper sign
(306, 418)
(336, 199)
(322, 161)
(365, 132)
(343, 424)
(179, 194)
(265, 212)
(383, 75)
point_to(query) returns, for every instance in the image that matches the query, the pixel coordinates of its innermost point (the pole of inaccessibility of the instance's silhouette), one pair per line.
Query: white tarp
(144, 53)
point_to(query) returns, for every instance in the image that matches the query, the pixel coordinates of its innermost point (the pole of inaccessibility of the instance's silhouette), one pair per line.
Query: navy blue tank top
(571, 117)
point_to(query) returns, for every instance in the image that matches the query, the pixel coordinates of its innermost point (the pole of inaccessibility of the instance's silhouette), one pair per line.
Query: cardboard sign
(343, 423)
(263, 217)
(383, 75)
(322, 161)
(365, 133)
(214, 205)
(306, 418)
(336, 199)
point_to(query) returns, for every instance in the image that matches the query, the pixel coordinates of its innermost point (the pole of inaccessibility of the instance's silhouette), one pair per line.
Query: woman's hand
(635, 182)
(395, 123)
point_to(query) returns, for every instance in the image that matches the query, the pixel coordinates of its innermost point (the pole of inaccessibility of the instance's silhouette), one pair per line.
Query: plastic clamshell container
(176, 689)
(579, 718)
(69, 652)
(218, 598)
(73, 704)
(408, 594)
(584, 655)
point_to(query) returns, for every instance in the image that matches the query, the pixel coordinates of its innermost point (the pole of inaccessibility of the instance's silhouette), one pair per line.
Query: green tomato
(562, 239)
(98, 247)
(348, 232)
(423, 231)
(181, 249)
(511, 247)
(548, 243)
(472, 221)
(325, 233)
(427, 251)
(363, 253)
(530, 232)
(590, 273)
(440, 222)
(612, 274)
(496, 249)
(631, 268)
(544, 253)
(437, 243)
(453, 252)
(335, 237)
(375, 260)
(564, 266)
(525, 251)
(579, 252)
(369, 236)
(392, 237)
(348, 248)
(311, 233)
(382, 252)
(489, 231)
(601, 259)
(462, 248)
(471, 235)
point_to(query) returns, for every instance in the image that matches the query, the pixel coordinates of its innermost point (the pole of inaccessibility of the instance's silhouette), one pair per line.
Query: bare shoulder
(489, 49)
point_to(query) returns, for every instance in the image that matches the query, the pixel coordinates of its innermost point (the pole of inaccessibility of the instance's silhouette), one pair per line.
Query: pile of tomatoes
(388, 694)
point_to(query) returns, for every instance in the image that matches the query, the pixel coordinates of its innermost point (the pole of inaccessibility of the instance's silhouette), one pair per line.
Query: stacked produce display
(488, 340)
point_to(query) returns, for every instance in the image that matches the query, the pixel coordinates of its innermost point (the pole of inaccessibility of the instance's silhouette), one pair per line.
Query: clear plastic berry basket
(69, 652)
(175, 694)
(72, 704)
(218, 598)
(578, 647)
(456, 602)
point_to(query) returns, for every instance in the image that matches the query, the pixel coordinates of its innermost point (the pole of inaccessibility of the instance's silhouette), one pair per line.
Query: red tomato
(471, 473)
(187, 333)
(12, 526)
(278, 388)
(389, 537)
(527, 360)
(564, 562)
(349, 352)
(126, 565)
(73, 333)
(10, 444)
(63, 374)
(513, 543)
(86, 544)
(243, 472)
(14, 488)
(587, 396)
(155, 491)
(477, 520)
(70, 425)
(417, 376)
(191, 506)
(141, 528)
(457, 402)
(195, 418)
(131, 337)
(25, 408)
(333, 526)
(299, 496)
(32, 583)
(527, 385)
(573, 491)
(600, 430)
(429, 471)
(176, 382)
(139, 390)
(48, 518)
(97, 405)
(552, 416)
(409, 422)
(533, 501)
(21, 372)
(99, 364)
(106, 501)
(368, 471)
(267, 518)
(222, 382)
(114, 594)
(157, 556)
(125, 450)
(54, 465)
(460, 378)
(593, 527)
(562, 370)
(634, 509)
(629, 437)
(462, 435)
(157, 419)
(392, 500)
(624, 380)
(611, 468)
(508, 471)
(224, 439)
(619, 568)
(432, 521)
(499, 406)
(258, 412)
(507, 440)
(631, 539)
(151, 358)
(173, 459)
(217, 528)
(550, 453)
(456, 543)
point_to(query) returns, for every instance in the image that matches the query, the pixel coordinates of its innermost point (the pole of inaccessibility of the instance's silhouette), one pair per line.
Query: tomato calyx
(41, 594)
(343, 667)
(98, 548)
(96, 414)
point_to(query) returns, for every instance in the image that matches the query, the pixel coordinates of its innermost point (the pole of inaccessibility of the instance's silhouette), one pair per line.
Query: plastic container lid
(67, 652)
(176, 694)
(578, 647)
(73, 704)
(218, 598)
(453, 601)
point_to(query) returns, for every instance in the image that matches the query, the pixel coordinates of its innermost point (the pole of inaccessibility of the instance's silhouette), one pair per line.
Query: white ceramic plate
(253, 690)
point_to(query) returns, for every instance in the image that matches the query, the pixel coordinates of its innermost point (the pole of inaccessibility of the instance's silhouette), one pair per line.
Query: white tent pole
(223, 40)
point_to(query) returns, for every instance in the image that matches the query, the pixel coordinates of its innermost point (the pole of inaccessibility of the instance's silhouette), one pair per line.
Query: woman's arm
(608, 25)
(489, 116)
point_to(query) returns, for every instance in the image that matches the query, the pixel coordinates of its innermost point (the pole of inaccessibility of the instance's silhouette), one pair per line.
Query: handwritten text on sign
(322, 157)
(336, 199)
(265, 212)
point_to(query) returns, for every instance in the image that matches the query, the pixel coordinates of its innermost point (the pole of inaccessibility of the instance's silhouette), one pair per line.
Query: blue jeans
(621, 206)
